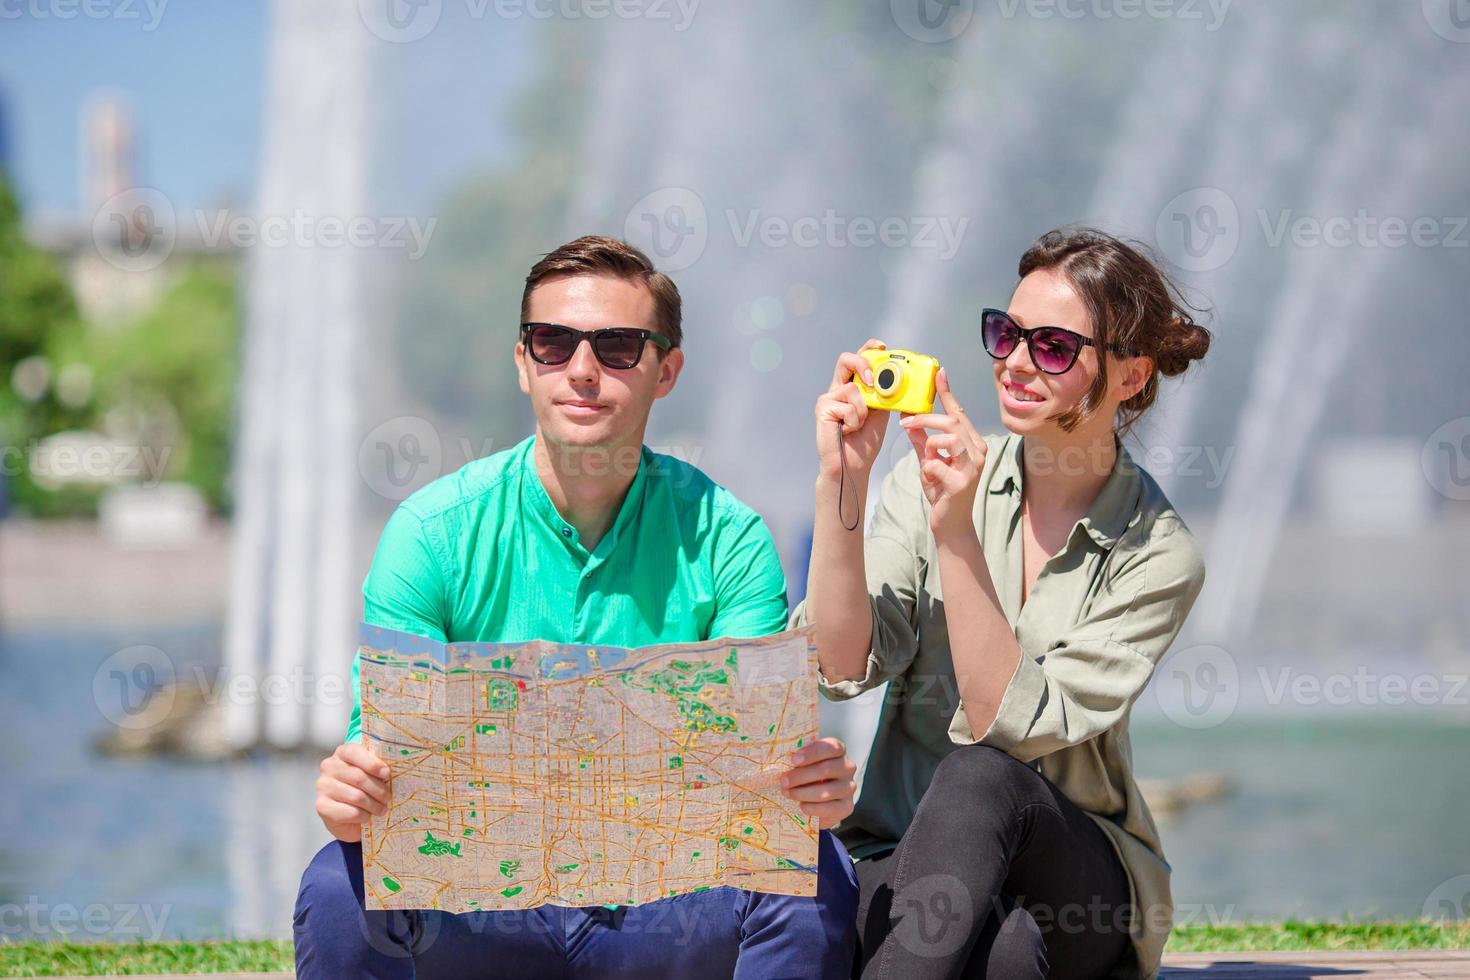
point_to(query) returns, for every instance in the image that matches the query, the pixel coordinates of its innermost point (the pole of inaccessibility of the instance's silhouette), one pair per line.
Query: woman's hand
(820, 779)
(862, 427)
(949, 480)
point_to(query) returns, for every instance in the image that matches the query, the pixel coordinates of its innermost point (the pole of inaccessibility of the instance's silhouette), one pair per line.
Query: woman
(1000, 831)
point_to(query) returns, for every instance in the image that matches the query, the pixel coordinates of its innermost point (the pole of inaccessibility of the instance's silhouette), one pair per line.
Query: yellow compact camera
(902, 381)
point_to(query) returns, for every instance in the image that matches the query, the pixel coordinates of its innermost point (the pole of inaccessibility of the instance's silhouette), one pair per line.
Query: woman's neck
(1065, 471)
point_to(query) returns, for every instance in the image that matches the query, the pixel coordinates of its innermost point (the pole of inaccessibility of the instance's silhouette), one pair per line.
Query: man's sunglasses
(618, 348)
(1053, 349)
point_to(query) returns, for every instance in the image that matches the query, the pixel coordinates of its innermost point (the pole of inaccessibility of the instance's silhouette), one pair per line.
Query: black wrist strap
(842, 484)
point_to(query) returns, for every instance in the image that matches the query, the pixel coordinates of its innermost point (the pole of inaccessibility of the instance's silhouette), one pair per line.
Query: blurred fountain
(293, 605)
(1316, 320)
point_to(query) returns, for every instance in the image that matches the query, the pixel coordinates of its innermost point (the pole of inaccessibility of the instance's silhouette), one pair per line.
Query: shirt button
(566, 532)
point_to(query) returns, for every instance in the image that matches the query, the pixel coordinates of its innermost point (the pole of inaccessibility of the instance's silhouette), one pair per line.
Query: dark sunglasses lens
(552, 345)
(998, 335)
(1054, 350)
(619, 348)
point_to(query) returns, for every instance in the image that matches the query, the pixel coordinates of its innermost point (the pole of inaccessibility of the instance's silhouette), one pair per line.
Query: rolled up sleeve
(895, 573)
(1094, 671)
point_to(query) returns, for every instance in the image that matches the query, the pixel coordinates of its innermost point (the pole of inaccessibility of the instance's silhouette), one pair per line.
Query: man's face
(583, 403)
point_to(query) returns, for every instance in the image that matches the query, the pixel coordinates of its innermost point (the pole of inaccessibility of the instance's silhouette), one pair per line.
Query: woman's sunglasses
(618, 348)
(1053, 349)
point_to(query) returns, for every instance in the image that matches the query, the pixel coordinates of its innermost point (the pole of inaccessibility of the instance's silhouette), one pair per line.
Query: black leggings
(998, 875)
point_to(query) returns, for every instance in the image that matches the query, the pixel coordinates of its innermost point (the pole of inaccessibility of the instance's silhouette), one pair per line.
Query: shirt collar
(1116, 507)
(539, 500)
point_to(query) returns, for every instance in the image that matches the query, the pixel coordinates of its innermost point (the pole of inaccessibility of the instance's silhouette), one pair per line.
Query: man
(579, 534)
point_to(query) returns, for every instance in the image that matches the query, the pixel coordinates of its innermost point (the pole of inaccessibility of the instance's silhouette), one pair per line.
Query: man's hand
(353, 786)
(820, 779)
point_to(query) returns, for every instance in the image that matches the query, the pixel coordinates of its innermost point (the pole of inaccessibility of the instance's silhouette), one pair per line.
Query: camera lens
(887, 381)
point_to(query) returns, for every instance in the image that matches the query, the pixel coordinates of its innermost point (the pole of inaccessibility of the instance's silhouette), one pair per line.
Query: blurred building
(128, 245)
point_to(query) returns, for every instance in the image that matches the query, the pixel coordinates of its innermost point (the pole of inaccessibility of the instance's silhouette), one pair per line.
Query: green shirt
(482, 555)
(1103, 611)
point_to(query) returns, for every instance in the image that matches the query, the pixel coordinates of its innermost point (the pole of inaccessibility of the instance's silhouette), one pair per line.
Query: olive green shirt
(1100, 616)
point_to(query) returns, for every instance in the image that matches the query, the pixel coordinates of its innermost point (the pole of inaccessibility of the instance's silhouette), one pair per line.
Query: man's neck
(587, 484)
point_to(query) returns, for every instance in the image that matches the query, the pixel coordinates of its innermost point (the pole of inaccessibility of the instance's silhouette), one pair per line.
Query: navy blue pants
(723, 932)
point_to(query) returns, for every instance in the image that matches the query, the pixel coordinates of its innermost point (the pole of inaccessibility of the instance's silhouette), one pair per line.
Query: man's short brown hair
(598, 255)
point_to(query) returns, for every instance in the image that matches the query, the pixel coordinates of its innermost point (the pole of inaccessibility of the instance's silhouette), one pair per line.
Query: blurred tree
(162, 386)
(38, 317)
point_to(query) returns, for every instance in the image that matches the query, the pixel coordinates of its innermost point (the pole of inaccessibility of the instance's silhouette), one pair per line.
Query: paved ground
(1302, 966)
(1438, 965)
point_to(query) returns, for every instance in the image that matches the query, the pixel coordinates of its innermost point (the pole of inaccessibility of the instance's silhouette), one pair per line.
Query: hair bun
(1183, 341)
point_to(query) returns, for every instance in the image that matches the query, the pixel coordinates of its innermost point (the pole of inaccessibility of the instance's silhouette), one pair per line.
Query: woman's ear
(1136, 373)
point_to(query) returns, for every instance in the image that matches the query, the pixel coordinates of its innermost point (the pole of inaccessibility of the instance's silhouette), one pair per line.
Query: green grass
(1319, 936)
(41, 959)
(49, 959)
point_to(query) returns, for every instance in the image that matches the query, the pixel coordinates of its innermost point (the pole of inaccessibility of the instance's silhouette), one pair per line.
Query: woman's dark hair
(1132, 302)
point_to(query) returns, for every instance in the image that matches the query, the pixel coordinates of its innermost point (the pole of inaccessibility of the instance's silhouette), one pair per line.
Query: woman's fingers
(848, 365)
(952, 405)
(931, 420)
(840, 408)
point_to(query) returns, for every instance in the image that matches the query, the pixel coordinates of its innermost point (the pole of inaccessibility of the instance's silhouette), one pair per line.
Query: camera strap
(842, 482)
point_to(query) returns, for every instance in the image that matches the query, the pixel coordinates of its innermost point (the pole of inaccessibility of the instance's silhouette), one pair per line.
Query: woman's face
(1028, 398)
